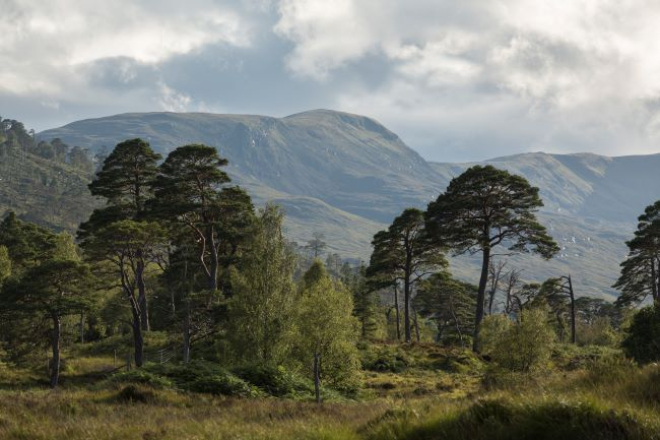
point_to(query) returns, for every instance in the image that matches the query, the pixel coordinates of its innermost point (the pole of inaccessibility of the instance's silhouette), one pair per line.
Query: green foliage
(55, 288)
(403, 253)
(383, 359)
(127, 174)
(450, 303)
(261, 312)
(484, 208)
(524, 345)
(275, 381)
(597, 332)
(640, 272)
(493, 331)
(191, 195)
(642, 340)
(142, 376)
(26, 243)
(327, 327)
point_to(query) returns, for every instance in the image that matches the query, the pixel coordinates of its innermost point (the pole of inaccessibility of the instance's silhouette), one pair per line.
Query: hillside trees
(125, 182)
(450, 303)
(54, 288)
(47, 280)
(191, 190)
(406, 253)
(129, 246)
(116, 233)
(484, 208)
(640, 272)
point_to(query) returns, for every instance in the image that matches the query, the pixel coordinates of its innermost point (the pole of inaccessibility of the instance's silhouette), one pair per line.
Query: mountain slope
(348, 161)
(44, 191)
(348, 176)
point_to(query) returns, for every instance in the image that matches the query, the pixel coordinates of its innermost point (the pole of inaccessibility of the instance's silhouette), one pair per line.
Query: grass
(588, 393)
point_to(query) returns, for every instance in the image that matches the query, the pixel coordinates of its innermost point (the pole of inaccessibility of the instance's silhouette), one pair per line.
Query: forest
(178, 309)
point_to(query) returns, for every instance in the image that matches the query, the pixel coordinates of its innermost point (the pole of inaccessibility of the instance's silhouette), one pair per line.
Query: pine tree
(640, 272)
(484, 208)
(405, 253)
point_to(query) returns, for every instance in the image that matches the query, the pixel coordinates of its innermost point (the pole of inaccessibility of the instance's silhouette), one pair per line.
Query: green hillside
(50, 192)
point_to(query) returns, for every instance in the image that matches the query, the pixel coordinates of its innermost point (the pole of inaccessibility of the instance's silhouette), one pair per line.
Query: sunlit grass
(587, 393)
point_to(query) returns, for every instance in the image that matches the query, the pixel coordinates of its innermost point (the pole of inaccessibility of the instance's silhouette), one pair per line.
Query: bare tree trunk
(397, 310)
(476, 345)
(142, 294)
(406, 307)
(55, 345)
(138, 341)
(317, 379)
(573, 323)
(416, 324)
(213, 269)
(455, 318)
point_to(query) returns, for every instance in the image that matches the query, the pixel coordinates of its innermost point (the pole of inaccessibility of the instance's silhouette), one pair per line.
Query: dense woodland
(177, 281)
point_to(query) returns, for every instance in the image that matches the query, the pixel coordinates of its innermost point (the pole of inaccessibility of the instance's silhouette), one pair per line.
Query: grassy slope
(43, 191)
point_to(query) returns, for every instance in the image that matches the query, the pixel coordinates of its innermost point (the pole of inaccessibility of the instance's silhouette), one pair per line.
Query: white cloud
(45, 41)
(579, 74)
(459, 80)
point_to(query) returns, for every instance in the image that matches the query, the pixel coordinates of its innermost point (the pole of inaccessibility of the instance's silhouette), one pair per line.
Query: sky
(456, 80)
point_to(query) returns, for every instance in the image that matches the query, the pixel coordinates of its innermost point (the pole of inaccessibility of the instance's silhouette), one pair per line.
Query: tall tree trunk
(138, 341)
(186, 333)
(416, 323)
(317, 379)
(213, 268)
(479, 315)
(397, 311)
(55, 345)
(573, 323)
(142, 294)
(406, 306)
(457, 325)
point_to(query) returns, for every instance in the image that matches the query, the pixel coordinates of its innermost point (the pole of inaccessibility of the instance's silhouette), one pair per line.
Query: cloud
(456, 80)
(63, 50)
(563, 76)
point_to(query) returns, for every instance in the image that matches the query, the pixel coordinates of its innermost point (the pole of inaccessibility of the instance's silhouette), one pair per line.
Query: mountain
(348, 176)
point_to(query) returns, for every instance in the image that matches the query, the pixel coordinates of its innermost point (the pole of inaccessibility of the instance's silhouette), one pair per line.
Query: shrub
(204, 377)
(142, 376)
(276, 381)
(385, 359)
(642, 340)
(525, 345)
(135, 394)
(600, 332)
(227, 385)
(493, 328)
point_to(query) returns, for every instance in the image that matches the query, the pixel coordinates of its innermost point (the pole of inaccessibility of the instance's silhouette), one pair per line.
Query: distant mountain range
(348, 176)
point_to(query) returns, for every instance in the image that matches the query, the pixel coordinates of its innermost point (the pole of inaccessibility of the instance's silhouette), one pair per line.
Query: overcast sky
(457, 79)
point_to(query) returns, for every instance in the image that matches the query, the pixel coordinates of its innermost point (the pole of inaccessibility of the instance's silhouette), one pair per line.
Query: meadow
(417, 391)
